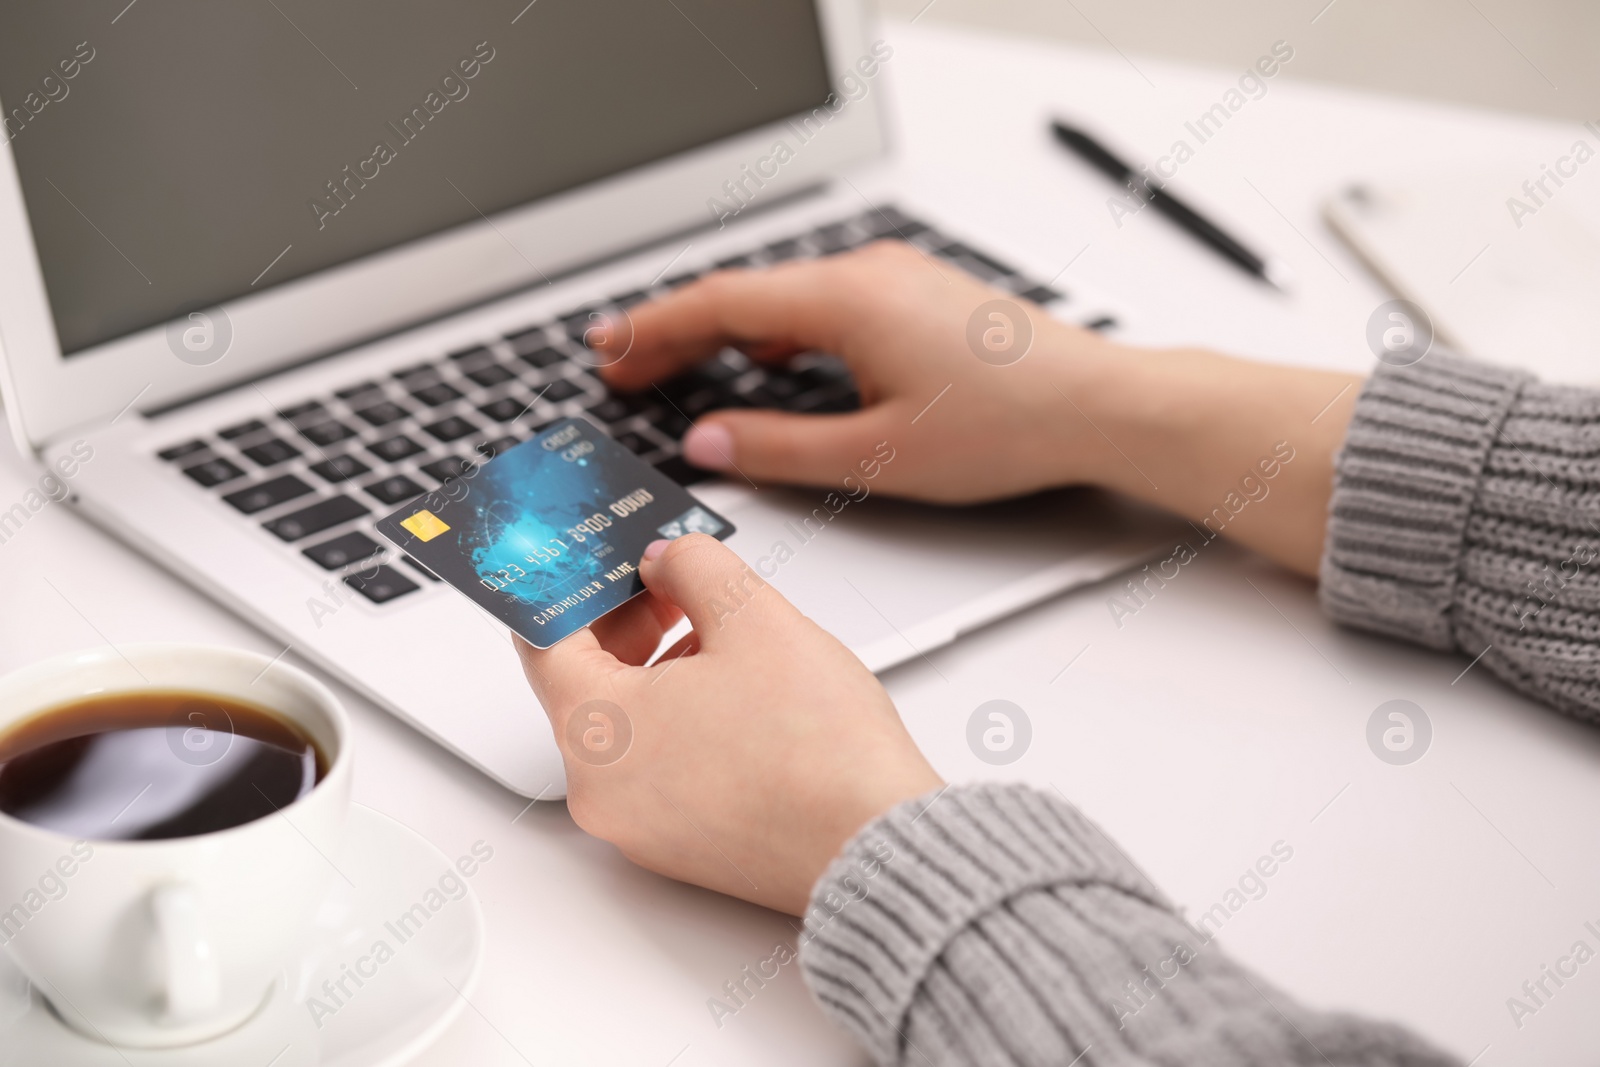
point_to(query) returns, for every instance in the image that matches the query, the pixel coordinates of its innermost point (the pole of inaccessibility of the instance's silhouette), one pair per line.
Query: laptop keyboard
(316, 474)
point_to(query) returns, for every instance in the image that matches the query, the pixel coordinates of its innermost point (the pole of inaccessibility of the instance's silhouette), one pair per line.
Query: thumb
(718, 592)
(772, 446)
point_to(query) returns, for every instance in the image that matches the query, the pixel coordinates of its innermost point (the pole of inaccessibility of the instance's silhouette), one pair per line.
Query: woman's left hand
(743, 760)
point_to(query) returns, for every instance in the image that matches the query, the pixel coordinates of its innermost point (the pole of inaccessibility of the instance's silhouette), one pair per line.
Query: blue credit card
(547, 536)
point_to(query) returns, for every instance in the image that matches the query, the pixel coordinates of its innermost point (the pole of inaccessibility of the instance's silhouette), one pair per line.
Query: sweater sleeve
(994, 924)
(1466, 516)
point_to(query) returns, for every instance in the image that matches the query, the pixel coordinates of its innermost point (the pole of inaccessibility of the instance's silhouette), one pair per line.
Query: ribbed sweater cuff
(915, 878)
(1404, 487)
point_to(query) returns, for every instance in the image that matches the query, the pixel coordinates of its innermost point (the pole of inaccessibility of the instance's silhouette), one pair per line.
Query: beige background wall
(1539, 56)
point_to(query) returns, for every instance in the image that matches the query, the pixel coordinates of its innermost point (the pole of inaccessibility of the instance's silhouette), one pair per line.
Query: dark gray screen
(171, 149)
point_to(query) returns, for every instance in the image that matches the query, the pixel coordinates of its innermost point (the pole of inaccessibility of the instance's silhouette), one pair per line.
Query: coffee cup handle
(188, 967)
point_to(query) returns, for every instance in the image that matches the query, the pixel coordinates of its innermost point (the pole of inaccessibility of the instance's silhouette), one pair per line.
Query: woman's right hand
(967, 420)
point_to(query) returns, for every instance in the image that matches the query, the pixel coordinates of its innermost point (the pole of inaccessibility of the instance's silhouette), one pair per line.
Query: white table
(1224, 717)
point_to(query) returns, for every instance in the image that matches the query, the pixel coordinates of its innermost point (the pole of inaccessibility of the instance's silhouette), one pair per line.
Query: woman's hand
(974, 413)
(965, 427)
(749, 754)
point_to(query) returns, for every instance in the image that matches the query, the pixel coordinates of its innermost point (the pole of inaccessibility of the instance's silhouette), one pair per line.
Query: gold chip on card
(425, 525)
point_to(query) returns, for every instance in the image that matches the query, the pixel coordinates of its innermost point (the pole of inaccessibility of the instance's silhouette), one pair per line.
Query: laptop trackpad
(892, 579)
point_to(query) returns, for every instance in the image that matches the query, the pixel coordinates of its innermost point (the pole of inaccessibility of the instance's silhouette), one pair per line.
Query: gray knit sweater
(995, 924)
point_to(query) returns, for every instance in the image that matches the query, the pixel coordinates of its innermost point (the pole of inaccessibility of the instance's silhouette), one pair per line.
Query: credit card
(547, 536)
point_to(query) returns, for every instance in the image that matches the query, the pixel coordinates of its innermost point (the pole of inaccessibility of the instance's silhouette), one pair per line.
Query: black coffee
(151, 765)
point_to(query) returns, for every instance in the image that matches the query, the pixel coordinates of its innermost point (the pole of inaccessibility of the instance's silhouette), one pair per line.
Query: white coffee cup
(158, 944)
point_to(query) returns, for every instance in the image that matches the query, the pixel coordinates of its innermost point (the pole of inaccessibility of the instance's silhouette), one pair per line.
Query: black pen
(1152, 193)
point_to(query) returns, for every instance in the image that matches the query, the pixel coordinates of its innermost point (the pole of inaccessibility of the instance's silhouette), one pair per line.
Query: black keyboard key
(778, 251)
(683, 472)
(493, 448)
(833, 239)
(544, 356)
(726, 365)
(635, 443)
(269, 494)
(561, 389)
(681, 385)
(611, 409)
(678, 281)
(243, 429)
(490, 375)
(890, 221)
(779, 389)
(188, 448)
(381, 584)
(316, 518)
(271, 452)
(301, 413)
(733, 263)
(698, 403)
(436, 394)
(416, 374)
(395, 489)
(1042, 294)
(578, 323)
(1104, 322)
(340, 468)
(327, 433)
(827, 401)
(671, 422)
(450, 429)
(350, 392)
(506, 409)
(595, 326)
(472, 356)
(442, 470)
(343, 550)
(694, 394)
(629, 300)
(976, 268)
(762, 397)
(975, 262)
(992, 263)
(382, 413)
(394, 448)
(213, 472)
(525, 342)
(831, 372)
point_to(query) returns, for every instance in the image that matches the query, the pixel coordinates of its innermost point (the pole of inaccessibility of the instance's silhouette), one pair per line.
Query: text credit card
(547, 536)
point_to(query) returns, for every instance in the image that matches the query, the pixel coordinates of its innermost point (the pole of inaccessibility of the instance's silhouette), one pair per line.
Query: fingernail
(655, 548)
(709, 445)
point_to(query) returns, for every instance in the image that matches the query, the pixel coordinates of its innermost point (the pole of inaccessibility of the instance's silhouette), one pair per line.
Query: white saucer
(417, 989)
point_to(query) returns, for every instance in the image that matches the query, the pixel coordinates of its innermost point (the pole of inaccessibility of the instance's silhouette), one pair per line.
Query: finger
(772, 446)
(566, 674)
(719, 593)
(770, 352)
(783, 309)
(633, 631)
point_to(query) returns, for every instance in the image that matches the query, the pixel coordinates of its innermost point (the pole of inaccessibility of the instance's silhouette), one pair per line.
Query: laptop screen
(177, 154)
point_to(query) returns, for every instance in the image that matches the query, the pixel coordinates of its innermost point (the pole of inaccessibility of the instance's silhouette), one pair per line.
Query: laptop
(269, 271)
